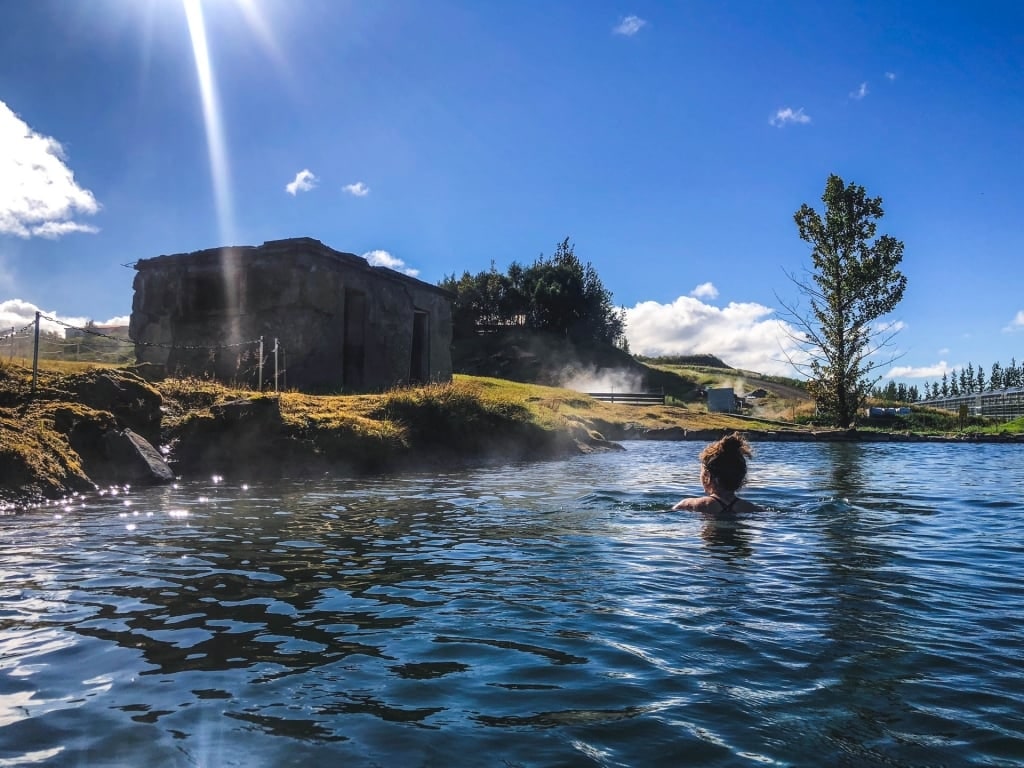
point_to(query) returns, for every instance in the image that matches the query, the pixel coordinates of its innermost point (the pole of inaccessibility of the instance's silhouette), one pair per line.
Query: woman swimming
(723, 471)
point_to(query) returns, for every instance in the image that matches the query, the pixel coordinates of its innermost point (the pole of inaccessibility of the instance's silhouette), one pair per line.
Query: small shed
(721, 400)
(340, 324)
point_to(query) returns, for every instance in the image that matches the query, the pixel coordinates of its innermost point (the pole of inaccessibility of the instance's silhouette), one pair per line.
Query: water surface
(528, 615)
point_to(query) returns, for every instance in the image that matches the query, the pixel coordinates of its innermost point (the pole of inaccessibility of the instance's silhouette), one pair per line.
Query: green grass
(469, 418)
(1014, 427)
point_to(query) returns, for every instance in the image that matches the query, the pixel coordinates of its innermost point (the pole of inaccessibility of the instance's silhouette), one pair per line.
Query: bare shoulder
(698, 504)
(709, 504)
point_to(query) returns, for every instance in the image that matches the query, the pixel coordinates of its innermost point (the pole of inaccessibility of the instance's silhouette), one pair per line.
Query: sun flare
(216, 145)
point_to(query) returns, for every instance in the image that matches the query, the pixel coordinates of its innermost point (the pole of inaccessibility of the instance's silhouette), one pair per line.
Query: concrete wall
(342, 325)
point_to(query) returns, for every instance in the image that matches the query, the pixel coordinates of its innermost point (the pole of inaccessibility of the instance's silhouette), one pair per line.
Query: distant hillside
(541, 358)
(536, 357)
(703, 361)
(551, 359)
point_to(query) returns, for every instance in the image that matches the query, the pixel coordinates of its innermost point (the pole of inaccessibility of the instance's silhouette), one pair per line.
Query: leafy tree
(558, 295)
(980, 380)
(466, 308)
(1012, 377)
(901, 393)
(912, 394)
(967, 379)
(514, 305)
(945, 385)
(995, 378)
(954, 388)
(855, 281)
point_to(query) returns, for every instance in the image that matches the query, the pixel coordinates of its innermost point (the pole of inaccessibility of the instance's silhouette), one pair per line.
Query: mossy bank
(79, 431)
(56, 440)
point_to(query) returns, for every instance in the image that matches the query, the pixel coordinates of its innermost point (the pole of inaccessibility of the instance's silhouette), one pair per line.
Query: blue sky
(670, 141)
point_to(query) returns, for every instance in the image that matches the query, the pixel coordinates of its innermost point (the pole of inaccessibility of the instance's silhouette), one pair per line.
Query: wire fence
(260, 363)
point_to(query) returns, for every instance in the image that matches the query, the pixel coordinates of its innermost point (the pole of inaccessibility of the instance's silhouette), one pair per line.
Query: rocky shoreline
(79, 433)
(816, 436)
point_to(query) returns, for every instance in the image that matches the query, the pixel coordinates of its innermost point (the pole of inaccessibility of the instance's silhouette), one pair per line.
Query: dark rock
(590, 441)
(109, 455)
(130, 458)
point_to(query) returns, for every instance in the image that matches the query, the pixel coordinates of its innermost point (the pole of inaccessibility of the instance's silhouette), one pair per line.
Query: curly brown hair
(726, 461)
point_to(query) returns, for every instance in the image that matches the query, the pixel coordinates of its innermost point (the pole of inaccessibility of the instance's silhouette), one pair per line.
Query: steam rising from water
(602, 380)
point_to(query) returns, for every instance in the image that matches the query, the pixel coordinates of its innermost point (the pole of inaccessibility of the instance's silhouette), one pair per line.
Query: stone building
(340, 324)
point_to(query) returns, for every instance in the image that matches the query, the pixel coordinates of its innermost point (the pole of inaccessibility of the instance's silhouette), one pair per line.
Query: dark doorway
(353, 353)
(419, 368)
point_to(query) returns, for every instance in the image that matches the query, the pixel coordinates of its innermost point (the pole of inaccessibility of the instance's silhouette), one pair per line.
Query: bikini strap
(726, 507)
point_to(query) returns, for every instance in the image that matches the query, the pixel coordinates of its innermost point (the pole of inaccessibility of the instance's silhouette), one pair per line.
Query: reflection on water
(846, 469)
(726, 533)
(549, 614)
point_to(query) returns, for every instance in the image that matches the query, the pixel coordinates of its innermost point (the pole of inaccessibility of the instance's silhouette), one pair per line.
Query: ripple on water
(540, 614)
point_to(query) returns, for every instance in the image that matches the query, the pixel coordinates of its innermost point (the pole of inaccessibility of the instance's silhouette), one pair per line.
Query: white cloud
(705, 291)
(743, 335)
(18, 313)
(860, 93)
(890, 76)
(944, 351)
(304, 181)
(788, 115)
(52, 230)
(38, 193)
(629, 26)
(918, 372)
(358, 189)
(380, 258)
(1017, 324)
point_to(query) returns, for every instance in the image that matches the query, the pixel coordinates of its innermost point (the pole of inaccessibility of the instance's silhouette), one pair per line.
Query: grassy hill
(547, 359)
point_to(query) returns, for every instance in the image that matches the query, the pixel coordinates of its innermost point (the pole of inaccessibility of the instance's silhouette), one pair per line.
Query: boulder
(590, 441)
(108, 454)
(130, 458)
